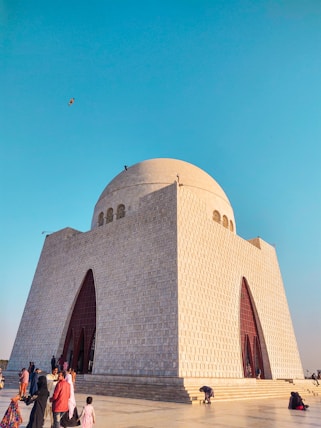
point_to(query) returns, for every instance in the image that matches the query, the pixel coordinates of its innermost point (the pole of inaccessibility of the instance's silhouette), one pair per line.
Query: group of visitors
(62, 365)
(53, 397)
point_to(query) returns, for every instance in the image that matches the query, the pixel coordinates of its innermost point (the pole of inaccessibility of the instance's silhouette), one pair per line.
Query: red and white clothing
(72, 399)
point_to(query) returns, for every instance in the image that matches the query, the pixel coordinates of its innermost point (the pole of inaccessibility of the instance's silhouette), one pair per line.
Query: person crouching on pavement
(209, 392)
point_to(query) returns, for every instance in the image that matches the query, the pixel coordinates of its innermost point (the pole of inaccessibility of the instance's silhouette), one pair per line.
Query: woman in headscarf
(39, 399)
(72, 399)
(70, 418)
(34, 382)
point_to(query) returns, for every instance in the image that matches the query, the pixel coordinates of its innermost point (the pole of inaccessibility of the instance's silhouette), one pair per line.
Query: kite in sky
(71, 101)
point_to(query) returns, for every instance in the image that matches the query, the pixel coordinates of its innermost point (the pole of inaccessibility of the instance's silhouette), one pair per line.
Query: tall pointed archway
(250, 339)
(80, 338)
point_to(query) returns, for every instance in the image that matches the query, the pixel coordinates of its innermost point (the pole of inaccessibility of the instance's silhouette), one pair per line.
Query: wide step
(180, 393)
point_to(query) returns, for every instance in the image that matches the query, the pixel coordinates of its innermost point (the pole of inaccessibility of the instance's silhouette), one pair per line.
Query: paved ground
(113, 412)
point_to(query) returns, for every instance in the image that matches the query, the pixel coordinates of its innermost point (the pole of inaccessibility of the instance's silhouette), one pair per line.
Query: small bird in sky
(71, 101)
(126, 167)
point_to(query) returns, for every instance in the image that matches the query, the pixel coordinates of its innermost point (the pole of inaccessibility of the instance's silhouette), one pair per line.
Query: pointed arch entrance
(250, 339)
(80, 338)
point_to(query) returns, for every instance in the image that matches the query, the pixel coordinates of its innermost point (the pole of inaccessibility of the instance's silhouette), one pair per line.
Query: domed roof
(151, 175)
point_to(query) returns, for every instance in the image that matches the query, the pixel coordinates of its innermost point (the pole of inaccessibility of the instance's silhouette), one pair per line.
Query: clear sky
(230, 86)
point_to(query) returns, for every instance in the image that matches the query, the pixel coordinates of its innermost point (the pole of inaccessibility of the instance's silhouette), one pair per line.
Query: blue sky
(230, 86)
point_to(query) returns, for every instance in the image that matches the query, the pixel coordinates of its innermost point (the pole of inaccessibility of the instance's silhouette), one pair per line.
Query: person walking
(87, 416)
(60, 399)
(23, 382)
(39, 398)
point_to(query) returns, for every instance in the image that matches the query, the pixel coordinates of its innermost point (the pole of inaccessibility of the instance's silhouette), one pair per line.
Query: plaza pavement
(114, 412)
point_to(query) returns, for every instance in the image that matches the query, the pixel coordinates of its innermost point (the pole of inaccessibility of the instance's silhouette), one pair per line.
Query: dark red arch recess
(80, 337)
(250, 340)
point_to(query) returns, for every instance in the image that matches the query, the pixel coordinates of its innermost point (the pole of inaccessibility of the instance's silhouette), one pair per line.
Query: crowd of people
(52, 396)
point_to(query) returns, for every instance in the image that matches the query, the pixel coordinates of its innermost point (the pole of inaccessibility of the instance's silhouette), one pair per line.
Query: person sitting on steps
(314, 377)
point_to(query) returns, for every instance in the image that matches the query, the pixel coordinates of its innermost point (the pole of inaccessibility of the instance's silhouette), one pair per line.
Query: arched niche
(254, 356)
(78, 348)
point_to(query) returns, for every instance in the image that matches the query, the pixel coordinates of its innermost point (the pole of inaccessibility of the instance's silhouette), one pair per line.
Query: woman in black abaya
(39, 398)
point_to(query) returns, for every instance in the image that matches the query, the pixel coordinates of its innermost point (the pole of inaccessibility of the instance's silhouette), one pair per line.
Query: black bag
(73, 422)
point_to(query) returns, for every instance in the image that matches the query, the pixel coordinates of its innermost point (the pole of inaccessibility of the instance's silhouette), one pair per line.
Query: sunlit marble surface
(113, 412)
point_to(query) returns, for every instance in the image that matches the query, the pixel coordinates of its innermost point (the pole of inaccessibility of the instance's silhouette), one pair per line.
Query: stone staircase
(11, 379)
(184, 390)
(226, 390)
(133, 387)
(258, 390)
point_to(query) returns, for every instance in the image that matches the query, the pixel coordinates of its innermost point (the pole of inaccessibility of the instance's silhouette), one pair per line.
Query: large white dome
(148, 176)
